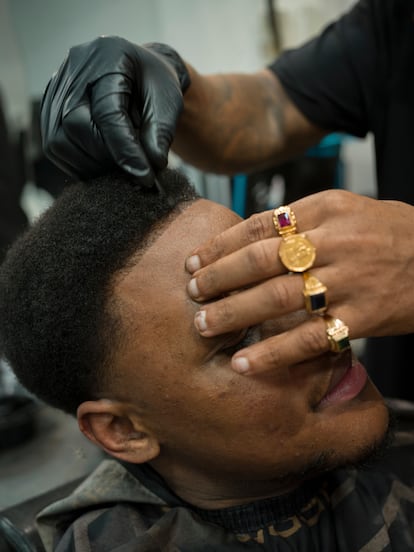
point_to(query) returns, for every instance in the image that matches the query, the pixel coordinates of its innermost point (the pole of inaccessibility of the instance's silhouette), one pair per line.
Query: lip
(346, 383)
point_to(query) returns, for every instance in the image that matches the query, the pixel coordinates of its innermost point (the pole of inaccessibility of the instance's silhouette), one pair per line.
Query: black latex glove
(113, 103)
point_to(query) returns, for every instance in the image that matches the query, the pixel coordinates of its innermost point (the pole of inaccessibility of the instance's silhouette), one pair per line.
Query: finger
(247, 266)
(60, 144)
(110, 99)
(81, 139)
(255, 262)
(271, 299)
(310, 212)
(159, 121)
(255, 228)
(71, 157)
(308, 340)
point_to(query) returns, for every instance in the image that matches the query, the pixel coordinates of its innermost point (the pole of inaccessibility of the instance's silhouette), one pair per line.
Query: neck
(213, 491)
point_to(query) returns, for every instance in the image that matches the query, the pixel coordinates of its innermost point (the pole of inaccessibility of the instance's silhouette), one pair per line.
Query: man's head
(56, 283)
(149, 388)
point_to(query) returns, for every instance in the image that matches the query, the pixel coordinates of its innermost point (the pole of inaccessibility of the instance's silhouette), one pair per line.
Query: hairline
(112, 310)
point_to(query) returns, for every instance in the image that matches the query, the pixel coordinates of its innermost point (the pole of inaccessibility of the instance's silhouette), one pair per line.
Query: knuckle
(338, 201)
(207, 281)
(260, 257)
(215, 249)
(100, 40)
(225, 313)
(271, 357)
(314, 340)
(106, 41)
(279, 295)
(255, 228)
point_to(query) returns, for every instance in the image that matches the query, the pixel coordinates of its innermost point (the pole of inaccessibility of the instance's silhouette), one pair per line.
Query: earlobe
(117, 430)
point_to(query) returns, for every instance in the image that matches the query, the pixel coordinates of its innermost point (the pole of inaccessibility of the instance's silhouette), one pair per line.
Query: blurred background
(39, 447)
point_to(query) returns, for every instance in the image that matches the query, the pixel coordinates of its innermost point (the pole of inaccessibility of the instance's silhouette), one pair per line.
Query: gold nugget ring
(338, 334)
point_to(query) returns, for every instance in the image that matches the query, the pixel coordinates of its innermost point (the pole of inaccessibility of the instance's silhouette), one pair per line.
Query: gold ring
(338, 334)
(296, 252)
(316, 301)
(284, 220)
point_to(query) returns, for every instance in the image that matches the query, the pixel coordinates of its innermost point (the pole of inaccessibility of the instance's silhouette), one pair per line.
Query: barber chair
(18, 532)
(17, 420)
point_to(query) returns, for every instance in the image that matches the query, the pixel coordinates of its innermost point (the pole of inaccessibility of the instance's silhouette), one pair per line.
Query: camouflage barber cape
(128, 508)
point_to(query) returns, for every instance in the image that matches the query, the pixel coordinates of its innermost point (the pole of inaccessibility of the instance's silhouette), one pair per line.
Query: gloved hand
(113, 103)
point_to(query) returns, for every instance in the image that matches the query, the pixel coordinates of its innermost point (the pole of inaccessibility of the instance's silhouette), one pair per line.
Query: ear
(117, 429)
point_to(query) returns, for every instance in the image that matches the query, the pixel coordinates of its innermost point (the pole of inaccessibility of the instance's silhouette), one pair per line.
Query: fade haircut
(58, 328)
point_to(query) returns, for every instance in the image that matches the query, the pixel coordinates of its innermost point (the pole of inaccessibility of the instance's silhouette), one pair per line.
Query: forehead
(195, 224)
(155, 288)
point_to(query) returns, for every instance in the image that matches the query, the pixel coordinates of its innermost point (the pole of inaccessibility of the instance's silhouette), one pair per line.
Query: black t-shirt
(358, 77)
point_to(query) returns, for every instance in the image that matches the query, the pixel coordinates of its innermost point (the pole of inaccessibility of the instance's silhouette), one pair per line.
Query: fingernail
(193, 263)
(200, 321)
(193, 288)
(241, 365)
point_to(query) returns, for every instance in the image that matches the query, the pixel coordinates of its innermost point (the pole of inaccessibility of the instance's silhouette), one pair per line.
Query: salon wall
(300, 19)
(204, 32)
(13, 84)
(216, 35)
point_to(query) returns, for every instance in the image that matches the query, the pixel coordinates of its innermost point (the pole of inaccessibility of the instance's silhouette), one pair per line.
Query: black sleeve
(331, 78)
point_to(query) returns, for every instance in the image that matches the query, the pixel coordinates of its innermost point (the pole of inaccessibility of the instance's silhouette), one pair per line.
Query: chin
(372, 450)
(363, 430)
(358, 425)
(370, 438)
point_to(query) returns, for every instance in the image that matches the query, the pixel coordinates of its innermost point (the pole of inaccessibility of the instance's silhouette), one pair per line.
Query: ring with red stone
(338, 334)
(296, 251)
(284, 220)
(314, 292)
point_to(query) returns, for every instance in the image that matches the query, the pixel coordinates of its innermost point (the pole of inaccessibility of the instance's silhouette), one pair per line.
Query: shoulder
(107, 494)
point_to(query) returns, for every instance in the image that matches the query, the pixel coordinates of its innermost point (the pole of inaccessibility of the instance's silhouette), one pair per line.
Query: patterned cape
(128, 508)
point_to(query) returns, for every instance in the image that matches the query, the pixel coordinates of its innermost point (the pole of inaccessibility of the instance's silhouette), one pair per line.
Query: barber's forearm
(240, 122)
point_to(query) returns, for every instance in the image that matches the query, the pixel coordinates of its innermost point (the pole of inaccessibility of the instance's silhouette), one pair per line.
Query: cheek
(256, 407)
(211, 401)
